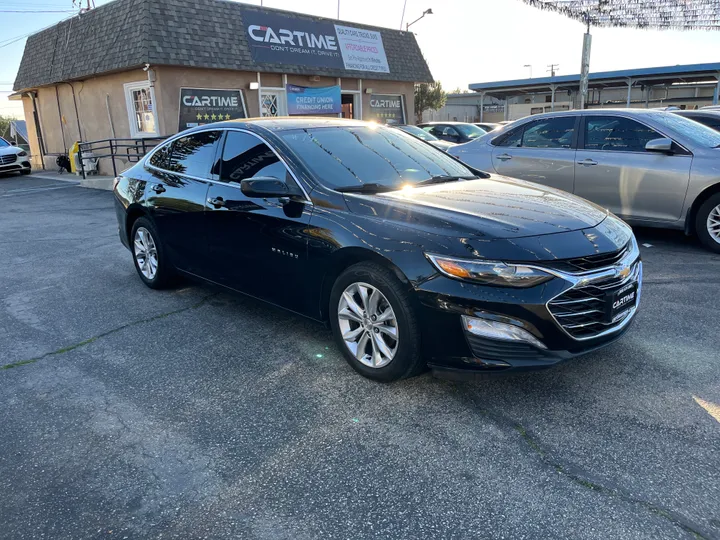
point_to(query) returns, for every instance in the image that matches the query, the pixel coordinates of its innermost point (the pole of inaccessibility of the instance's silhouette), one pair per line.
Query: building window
(140, 101)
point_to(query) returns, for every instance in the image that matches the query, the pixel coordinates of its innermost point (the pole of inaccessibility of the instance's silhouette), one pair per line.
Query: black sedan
(425, 136)
(413, 258)
(454, 132)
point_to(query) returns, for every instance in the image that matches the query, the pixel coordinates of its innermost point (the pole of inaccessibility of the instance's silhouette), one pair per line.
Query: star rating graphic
(207, 116)
(213, 117)
(199, 116)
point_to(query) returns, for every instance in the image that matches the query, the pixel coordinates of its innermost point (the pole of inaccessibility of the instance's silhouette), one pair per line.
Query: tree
(459, 90)
(5, 126)
(428, 96)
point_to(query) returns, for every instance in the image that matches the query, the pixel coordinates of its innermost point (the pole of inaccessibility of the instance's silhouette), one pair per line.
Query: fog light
(498, 330)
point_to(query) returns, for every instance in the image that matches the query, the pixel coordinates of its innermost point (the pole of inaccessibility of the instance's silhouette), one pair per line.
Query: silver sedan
(651, 168)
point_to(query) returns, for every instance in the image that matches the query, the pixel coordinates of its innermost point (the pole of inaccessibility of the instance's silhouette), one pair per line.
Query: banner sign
(387, 109)
(282, 39)
(322, 100)
(362, 49)
(199, 106)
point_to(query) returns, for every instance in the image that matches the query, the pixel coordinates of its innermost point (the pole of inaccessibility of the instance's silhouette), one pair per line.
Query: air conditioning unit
(90, 163)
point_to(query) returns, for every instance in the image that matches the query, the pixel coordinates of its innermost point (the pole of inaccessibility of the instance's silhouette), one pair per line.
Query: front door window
(272, 103)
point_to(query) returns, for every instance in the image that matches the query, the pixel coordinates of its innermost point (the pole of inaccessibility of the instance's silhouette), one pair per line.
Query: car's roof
(281, 123)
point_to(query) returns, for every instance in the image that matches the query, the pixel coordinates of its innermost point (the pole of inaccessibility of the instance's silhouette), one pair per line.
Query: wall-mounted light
(254, 86)
(368, 90)
(314, 78)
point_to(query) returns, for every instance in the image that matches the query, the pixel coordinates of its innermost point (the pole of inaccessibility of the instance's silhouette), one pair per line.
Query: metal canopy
(658, 14)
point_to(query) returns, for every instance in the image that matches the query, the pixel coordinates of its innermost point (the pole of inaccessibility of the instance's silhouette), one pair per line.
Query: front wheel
(149, 256)
(374, 323)
(707, 223)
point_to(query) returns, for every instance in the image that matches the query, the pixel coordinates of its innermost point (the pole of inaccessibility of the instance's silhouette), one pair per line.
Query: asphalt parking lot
(131, 413)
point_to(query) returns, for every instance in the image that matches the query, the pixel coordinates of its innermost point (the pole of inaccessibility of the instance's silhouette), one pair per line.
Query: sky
(464, 41)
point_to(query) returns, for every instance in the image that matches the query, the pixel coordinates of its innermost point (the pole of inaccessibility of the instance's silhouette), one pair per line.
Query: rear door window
(161, 157)
(617, 134)
(194, 154)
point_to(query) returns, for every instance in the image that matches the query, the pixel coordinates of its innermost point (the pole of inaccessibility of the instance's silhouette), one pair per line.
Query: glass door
(273, 103)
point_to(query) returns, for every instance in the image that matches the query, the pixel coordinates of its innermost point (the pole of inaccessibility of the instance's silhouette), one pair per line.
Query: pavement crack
(587, 480)
(90, 340)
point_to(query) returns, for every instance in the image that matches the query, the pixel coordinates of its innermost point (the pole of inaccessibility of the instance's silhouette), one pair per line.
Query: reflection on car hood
(492, 208)
(5, 150)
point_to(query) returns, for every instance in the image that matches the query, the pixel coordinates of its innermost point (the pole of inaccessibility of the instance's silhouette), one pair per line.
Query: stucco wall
(59, 125)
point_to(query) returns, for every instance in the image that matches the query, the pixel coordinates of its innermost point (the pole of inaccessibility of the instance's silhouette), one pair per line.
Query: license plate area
(620, 302)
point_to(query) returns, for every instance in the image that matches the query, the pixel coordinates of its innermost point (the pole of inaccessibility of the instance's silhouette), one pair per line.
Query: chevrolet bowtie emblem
(623, 271)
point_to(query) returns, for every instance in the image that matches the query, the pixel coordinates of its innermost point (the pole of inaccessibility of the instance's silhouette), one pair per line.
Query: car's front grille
(7, 159)
(589, 263)
(583, 310)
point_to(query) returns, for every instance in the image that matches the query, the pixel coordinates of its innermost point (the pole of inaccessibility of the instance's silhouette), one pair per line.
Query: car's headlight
(489, 272)
(22, 153)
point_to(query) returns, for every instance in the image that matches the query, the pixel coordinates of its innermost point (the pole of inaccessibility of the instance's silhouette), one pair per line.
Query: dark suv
(412, 257)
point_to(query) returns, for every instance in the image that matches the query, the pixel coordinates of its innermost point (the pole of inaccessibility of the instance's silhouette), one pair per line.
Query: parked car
(651, 168)
(488, 126)
(710, 118)
(454, 132)
(13, 158)
(413, 258)
(425, 136)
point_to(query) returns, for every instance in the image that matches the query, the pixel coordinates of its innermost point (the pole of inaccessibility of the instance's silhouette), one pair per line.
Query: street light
(529, 66)
(426, 12)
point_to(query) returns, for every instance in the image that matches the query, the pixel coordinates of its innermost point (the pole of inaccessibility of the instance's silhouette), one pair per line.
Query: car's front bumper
(542, 311)
(19, 165)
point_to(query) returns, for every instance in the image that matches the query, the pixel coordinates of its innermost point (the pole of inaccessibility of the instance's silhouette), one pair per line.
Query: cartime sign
(200, 106)
(282, 39)
(387, 109)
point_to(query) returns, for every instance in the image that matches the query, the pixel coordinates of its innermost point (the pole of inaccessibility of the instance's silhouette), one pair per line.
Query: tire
(145, 236)
(405, 360)
(709, 215)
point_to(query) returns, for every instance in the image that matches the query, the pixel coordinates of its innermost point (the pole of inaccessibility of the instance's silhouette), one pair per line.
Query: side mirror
(264, 187)
(660, 145)
(13, 143)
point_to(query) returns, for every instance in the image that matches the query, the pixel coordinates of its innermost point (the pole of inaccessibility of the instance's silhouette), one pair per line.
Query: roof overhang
(696, 73)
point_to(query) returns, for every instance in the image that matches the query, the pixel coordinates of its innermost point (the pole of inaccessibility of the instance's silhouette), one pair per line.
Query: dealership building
(134, 69)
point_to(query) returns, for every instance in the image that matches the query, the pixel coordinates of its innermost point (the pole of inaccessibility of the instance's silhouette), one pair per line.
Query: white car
(13, 158)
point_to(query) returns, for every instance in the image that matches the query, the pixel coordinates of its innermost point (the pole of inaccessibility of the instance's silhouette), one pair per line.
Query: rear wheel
(374, 323)
(707, 223)
(149, 256)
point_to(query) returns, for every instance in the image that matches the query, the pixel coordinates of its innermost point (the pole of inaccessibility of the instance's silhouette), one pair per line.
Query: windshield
(353, 156)
(420, 133)
(469, 130)
(3, 143)
(698, 133)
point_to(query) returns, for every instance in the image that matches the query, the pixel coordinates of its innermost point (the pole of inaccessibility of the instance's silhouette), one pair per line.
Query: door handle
(158, 188)
(504, 157)
(588, 162)
(217, 202)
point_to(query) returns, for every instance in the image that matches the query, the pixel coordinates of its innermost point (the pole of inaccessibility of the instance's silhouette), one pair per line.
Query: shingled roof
(127, 34)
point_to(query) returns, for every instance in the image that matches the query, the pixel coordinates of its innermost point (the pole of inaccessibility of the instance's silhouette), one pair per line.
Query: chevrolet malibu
(413, 258)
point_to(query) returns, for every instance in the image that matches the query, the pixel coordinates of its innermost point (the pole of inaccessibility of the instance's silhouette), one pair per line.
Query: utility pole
(553, 68)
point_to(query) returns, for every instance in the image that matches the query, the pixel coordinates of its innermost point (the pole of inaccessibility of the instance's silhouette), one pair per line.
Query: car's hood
(492, 208)
(6, 150)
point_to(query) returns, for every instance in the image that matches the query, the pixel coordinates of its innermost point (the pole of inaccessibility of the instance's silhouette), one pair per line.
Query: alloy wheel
(146, 253)
(368, 325)
(713, 223)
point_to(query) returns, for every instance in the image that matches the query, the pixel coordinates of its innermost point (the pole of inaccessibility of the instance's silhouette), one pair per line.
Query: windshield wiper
(366, 188)
(443, 179)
